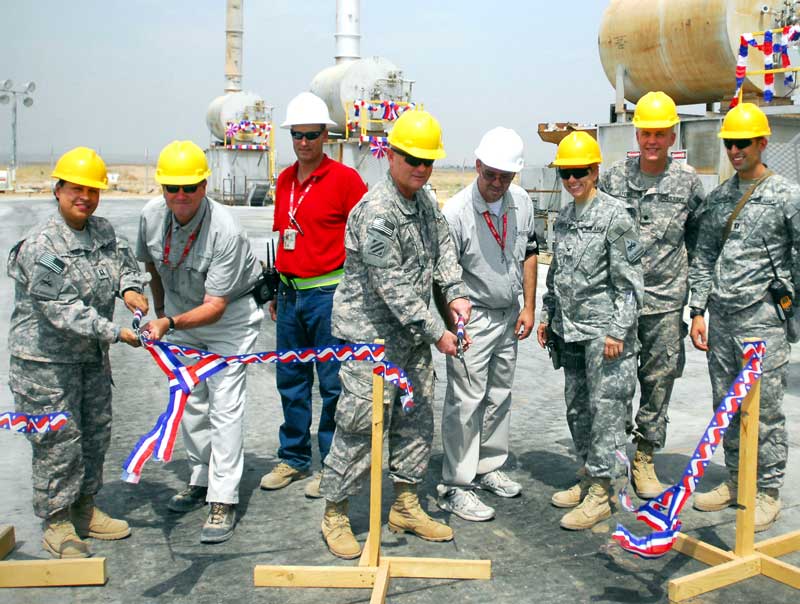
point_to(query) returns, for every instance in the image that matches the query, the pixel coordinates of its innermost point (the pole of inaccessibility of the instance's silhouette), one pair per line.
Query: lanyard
(495, 234)
(293, 208)
(189, 243)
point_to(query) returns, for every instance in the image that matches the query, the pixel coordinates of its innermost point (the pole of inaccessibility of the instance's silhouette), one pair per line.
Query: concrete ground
(533, 560)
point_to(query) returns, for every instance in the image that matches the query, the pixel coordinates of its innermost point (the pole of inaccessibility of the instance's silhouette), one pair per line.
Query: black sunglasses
(741, 143)
(565, 173)
(414, 162)
(311, 136)
(186, 188)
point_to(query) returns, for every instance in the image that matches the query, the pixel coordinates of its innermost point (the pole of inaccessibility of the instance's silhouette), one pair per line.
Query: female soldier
(594, 293)
(67, 273)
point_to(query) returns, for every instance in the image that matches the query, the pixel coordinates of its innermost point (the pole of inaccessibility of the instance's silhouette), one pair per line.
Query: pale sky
(129, 76)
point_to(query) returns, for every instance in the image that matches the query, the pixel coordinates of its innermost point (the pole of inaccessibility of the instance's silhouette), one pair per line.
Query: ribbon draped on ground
(662, 512)
(160, 441)
(24, 423)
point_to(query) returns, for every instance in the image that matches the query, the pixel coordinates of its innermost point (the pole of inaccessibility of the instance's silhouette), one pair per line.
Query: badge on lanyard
(289, 239)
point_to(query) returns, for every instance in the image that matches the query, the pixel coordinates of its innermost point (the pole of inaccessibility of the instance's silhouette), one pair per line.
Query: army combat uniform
(66, 282)
(396, 249)
(594, 290)
(664, 209)
(731, 280)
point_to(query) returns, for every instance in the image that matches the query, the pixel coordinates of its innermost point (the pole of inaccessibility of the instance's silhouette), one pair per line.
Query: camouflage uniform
(396, 249)
(732, 282)
(594, 290)
(666, 217)
(66, 284)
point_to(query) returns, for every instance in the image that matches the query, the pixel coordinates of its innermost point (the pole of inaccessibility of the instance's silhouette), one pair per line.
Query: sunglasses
(741, 143)
(311, 136)
(188, 189)
(414, 162)
(504, 177)
(578, 173)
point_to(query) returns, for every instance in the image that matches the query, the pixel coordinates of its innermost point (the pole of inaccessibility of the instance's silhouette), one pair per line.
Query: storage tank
(686, 48)
(234, 107)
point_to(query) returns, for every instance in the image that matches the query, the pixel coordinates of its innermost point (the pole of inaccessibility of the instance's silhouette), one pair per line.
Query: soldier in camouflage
(752, 216)
(663, 197)
(68, 273)
(398, 246)
(594, 294)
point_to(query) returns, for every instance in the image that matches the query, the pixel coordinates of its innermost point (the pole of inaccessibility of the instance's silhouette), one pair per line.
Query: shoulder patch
(51, 262)
(382, 226)
(633, 250)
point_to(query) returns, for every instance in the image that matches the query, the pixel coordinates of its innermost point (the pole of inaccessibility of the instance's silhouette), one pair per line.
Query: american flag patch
(383, 226)
(51, 262)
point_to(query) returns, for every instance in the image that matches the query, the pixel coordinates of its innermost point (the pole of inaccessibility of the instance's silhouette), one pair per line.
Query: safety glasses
(414, 162)
(504, 177)
(578, 173)
(311, 136)
(188, 189)
(740, 143)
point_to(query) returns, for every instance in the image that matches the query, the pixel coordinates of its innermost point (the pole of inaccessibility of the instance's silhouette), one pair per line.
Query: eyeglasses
(414, 162)
(578, 173)
(310, 136)
(741, 143)
(188, 189)
(504, 177)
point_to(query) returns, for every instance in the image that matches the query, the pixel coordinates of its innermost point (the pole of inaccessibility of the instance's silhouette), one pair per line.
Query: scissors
(460, 349)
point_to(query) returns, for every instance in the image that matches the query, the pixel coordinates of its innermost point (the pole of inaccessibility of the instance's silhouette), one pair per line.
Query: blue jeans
(304, 321)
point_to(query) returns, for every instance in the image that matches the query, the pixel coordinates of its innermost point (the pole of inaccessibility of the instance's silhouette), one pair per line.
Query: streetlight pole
(7, 93)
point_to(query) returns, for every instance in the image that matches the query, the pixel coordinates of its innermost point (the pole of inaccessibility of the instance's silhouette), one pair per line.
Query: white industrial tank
(373, 78)
(686, 48)
(233, 107)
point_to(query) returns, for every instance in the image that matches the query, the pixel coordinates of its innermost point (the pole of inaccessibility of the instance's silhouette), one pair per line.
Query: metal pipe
(348, 30)
(234, 32)
(13, 169)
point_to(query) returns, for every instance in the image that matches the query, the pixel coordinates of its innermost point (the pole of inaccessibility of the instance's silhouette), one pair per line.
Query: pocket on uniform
(354, 409)
(32, 397)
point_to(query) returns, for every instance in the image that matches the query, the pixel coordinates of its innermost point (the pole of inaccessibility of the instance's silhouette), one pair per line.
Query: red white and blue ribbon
(662, 513)
(24, 423)
(769, 78)
(159, 442)
(745, 41)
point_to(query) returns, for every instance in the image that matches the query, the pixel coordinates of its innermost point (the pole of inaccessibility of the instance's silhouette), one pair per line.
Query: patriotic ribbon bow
(661, 513)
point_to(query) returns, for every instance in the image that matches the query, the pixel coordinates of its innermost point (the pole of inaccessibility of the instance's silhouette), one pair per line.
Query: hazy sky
(125, 77)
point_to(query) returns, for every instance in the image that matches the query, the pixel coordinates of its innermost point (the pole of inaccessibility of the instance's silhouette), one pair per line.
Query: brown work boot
(645, 481)
(337, 532)
(406, 515)
(60, 538)
(768, 508)
(723, 496)
(91, 521)
(572, 496)
(594, 508)
(281, 476)
(312, 488)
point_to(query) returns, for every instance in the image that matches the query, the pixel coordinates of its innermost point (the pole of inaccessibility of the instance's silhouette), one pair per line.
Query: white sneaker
(500, 484)
(463, 503)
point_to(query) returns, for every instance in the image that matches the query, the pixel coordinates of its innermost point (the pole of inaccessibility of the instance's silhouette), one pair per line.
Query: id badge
(289, 239)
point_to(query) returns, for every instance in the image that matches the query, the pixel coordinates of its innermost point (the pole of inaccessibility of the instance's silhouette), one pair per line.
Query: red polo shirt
(322, 204)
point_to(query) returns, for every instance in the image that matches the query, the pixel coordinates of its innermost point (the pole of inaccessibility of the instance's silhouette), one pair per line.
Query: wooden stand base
(373, 571)
(748, 559)
(47, 573)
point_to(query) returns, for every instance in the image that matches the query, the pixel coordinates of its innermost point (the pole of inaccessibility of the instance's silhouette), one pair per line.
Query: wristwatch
(696, 312)
(171, 323)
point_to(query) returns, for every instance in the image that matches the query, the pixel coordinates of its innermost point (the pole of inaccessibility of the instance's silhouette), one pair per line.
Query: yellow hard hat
(82, 166)
(417, 133)
(182, 163)
(578, 149)
(745, 120)
(655, 110)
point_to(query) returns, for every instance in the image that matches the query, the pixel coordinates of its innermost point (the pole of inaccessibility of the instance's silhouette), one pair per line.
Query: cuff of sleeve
(434, 328)
(111, 334)
(698, 300)
(459, 290)
(616, 332)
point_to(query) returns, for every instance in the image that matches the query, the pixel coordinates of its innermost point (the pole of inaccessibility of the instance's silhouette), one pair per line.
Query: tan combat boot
(645, 480)
(91, 521)
(718, 499)
(594, 508)
(406, 515)
(768, 508)
(572, 496)
(337, 532)
(60, 538)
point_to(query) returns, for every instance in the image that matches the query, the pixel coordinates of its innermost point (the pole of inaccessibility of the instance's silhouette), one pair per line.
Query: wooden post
(748, 471)
(373, 545)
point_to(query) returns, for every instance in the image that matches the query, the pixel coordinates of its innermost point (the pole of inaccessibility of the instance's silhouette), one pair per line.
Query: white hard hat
(307, 108)
(501, 149)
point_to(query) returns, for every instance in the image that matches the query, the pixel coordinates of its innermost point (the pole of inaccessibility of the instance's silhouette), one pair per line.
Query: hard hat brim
(84, 182)
(190, 179)
(289, 123)
(654, 124)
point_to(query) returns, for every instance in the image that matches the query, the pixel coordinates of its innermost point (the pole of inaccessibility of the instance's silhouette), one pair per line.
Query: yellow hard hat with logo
(82, 166)
(745, 120)
(182, 163)
(655, 110)
(578, 148)
(417, 133)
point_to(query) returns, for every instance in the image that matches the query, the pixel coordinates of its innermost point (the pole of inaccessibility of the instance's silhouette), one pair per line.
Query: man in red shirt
(313, 198)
